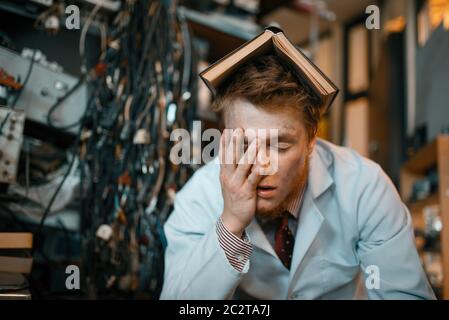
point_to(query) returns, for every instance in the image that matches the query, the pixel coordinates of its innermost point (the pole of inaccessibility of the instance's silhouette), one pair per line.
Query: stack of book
(15, 263)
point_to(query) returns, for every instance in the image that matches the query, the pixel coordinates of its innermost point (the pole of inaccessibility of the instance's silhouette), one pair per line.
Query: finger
(246, 162)
(253, 178)
(239, 140)
(233, 149)
(224, 141)
(224, 146)
(221, 150)
(229, 149)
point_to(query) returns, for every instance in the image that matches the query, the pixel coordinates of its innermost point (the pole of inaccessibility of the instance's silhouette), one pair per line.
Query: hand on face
(239, 177)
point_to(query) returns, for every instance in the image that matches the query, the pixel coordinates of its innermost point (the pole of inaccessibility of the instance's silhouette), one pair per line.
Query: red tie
(284, 241)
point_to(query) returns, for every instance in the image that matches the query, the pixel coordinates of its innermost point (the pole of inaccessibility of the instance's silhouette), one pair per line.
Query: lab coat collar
(320, 178)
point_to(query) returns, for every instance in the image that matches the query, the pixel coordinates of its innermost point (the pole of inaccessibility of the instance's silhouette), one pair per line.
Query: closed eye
(280, 146)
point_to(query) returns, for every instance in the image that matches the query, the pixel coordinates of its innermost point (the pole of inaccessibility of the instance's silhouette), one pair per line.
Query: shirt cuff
(237, 250)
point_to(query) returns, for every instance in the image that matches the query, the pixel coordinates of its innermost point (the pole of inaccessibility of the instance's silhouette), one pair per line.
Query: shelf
(222, 23)
(433, 199)
(434, 155)
(423, 160)
(223, 33)
(416, 209)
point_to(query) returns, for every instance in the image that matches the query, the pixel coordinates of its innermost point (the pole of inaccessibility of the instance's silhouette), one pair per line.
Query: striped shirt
(238, 250)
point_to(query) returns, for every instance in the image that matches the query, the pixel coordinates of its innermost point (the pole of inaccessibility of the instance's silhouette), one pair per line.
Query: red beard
(296, 185)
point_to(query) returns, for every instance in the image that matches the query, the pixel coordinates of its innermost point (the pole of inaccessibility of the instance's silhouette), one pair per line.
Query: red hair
(266, 83)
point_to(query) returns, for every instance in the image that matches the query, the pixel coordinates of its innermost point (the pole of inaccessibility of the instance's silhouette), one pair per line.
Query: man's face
(292, 151)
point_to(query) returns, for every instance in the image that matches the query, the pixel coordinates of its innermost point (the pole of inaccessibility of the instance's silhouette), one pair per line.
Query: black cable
(3, 122)
(58, 103)
(67, 173)
(149, 70)
(187, 63)
(53, 198)
(27, 77)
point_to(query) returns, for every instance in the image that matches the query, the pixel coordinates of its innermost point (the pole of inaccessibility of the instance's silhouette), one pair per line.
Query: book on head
(273, 41)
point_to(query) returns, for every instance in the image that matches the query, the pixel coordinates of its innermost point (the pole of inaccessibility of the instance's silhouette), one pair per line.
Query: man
(328, 224)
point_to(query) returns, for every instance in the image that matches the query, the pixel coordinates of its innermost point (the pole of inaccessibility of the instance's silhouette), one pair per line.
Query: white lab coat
(351, 218)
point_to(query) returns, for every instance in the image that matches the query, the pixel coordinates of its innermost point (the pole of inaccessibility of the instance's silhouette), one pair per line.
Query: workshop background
(86, 115)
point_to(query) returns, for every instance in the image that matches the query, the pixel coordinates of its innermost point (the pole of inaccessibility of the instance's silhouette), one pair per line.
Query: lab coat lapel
(258, 238)
(311, 218)
(310, 222)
